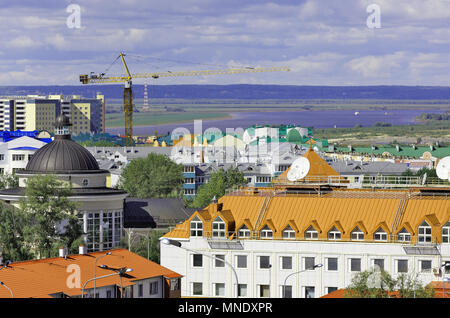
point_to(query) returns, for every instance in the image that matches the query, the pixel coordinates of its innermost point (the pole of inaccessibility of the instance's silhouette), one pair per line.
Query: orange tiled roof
(41, 278)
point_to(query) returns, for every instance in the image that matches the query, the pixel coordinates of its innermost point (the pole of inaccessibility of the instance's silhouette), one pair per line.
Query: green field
(154, 118)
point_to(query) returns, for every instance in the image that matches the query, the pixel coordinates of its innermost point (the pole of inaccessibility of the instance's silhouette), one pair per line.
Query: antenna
(299, 169)
(443, 168)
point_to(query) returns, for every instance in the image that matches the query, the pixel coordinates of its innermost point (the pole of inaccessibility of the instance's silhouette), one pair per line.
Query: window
(264, 262)
(264, 291)
(197, 289)
(402, 266)
(311, 233)
(309, 291)
(108, 294)
(242, 290)
(219, 289)
(196, 227)
(153, 288)
(288, 233)
(266, 233)
(446, 233)
(218, 228)
(355, 264)
(424, 233)
(244, 232)
(197, 260)
(286, 262)
(16, 157)
(378, 263)
(140, 290)
(286, 291)
(308, 262)
(85, 182)
(241, 261)
(334, 234)
(425, 266)
(404, 236)
(330, 289)
(380, 235)
(219, 261)
(357, 234)
(2, 157)
(332, 263)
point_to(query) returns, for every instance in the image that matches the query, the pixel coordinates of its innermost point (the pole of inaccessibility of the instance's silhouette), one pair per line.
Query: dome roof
(62, 156)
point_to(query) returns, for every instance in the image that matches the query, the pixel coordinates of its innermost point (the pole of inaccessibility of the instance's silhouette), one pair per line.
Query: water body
(315, 119)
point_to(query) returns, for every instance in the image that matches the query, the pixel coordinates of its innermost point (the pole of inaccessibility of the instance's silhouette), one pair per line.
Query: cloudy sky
(324, 42)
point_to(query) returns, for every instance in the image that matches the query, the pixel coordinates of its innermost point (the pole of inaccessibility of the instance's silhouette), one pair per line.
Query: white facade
(15, 154)
(268, 282)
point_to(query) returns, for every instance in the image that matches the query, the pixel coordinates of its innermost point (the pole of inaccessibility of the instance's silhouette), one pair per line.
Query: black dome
(62, 155)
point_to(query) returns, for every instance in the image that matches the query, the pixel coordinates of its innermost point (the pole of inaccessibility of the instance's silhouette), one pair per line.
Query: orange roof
(318, 168)
(41, 278)
(344, 209)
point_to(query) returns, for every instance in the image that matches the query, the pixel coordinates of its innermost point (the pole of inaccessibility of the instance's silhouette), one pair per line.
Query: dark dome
(62, 155)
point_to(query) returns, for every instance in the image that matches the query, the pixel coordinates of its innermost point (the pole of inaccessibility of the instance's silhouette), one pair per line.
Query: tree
(139, 245)
(380, 284)
(12, 237)
(50, 216)
(8, 181)
(153, 176)
(218, 184)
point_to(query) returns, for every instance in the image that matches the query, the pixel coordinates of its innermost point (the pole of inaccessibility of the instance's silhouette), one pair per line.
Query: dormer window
(334, 234)
(288, 233)
(266, 233)
(424, 233)
(357, 234)
(311, 233)
(244, 232)
(380, 235)
(196, 227)
(404, 236)
(218, 228)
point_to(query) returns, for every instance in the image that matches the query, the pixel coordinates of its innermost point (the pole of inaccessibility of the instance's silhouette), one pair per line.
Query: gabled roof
(44, 277)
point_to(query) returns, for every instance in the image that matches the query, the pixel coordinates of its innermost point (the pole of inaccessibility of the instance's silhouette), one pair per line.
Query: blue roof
(24, 148)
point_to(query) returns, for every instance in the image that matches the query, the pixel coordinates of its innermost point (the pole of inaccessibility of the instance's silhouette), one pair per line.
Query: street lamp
(167, 241)
(285, 280)
(120, 272)
(95, 267)
(10, 291)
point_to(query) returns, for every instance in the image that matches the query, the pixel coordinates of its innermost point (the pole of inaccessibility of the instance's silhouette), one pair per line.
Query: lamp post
(121, 272)
(285, 280)
(148, 242)
(95, 268)
(10, 291)
(167, 241)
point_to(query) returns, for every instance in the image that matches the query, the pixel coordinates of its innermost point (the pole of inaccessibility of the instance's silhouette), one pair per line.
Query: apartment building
(38, 112)
(309, 237)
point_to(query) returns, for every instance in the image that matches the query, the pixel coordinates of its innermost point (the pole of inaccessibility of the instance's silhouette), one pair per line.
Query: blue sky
(324, 42)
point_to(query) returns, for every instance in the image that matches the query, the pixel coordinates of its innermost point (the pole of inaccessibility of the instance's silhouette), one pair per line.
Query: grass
(155, 118)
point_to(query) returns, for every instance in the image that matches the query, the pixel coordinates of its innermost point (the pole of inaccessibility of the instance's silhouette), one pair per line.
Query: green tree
(8, 181)
(139, 245)
(51, 218)
(12, 237)
(153, 176)
(376, 284)
(216, 187)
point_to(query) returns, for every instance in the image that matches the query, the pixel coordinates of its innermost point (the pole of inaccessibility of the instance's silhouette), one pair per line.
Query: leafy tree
(139, 245)
(12, 237)
(50, 216)
(218, 184)
(154, 176)
(8, 181)
(376, 284)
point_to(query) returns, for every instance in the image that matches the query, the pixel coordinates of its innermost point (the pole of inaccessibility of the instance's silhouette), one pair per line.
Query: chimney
(82, 249)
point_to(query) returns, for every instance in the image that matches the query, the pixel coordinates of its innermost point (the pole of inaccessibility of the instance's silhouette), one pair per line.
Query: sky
(323, 42)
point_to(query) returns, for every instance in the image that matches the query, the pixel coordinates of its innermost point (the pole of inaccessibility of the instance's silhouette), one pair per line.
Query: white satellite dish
(299, 169)
(443, 168)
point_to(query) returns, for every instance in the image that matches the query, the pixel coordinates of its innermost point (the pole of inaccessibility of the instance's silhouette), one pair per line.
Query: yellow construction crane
(128, 94)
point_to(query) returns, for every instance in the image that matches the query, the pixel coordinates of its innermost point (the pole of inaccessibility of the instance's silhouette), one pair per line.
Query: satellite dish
(443, 168)
(299, 169)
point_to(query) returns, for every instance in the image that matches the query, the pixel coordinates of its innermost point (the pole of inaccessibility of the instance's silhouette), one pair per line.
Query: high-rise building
(37, 112)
